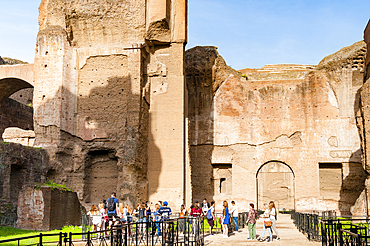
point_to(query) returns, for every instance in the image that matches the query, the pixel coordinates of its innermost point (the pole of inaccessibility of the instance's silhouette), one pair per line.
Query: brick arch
(14, 78)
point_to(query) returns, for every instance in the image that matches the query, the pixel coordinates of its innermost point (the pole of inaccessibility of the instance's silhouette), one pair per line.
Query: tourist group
(111, 213)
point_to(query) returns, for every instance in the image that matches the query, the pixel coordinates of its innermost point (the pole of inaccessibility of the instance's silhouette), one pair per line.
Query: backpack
(209, 214)
(111, 204)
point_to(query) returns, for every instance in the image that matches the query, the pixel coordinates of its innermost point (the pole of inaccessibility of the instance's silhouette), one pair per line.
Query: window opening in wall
(17, 178)
(222, 178)
(330, 179)
(223, 185)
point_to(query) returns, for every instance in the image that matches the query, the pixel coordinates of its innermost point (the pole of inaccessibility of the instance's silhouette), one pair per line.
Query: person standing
(95, 216)
(157, 218)
(273, 217)
(196, 212)
(104, 218)
(251, 222)
(127, 211)
(235, 213)
(225, 219)
(266, 218)
(142, 217)
(211, 217)
(205, 206)
(165, 212)
(112, 206)
(182, 221)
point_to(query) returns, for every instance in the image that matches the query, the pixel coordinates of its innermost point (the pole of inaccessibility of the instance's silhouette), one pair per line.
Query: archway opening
(16, 111)
(275, 182)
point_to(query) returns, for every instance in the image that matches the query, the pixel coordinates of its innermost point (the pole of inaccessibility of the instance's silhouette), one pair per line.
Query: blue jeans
(236, 223)
(264, 230)
(158, 225)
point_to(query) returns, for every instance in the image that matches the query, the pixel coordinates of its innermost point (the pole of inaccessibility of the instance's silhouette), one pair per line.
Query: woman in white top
(96, 218)
(265, 217)
(273, 217)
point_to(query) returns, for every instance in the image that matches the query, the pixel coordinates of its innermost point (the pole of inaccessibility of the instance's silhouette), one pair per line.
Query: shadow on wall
(200, 82)
(103, 145)
(353, 184)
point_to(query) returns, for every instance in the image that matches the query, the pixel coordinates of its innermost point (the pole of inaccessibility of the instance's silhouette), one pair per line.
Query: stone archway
(16, 99)
(14, 78)
(275, 182)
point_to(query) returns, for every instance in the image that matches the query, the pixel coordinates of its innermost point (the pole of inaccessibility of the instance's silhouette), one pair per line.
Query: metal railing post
(88, 238)
(340, 234)
(40, 240)
(126, 231)
(70, 239)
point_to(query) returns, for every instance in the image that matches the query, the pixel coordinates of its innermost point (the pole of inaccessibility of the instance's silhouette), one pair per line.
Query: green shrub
(52, 185)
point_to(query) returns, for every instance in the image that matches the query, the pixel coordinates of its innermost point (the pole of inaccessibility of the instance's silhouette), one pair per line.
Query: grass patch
(52, 185)
(10, 233)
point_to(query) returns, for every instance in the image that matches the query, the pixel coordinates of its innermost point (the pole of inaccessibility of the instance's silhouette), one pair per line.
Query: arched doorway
(16, 111)
(275, 182)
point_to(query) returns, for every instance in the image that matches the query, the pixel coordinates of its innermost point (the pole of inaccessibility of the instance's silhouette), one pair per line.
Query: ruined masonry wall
(301, 116)
(46, 209)
(96, 70)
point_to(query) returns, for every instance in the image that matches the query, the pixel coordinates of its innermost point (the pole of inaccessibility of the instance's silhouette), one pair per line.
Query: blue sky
(247, 33)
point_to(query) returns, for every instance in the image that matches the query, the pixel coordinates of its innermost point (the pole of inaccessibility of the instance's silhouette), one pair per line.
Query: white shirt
(234, 211)
(205, 208)
(272, 213)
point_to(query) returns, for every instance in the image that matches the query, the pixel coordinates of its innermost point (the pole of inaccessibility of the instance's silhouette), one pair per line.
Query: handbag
(268, 223)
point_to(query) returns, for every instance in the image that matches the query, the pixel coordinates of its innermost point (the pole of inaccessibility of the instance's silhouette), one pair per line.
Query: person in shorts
(211, 220)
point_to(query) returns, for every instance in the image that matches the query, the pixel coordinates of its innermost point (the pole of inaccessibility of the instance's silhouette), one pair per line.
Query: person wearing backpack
(211, 217)
(112, 205)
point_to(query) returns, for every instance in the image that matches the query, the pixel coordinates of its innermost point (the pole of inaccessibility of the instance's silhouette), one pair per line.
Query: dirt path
(288, 233)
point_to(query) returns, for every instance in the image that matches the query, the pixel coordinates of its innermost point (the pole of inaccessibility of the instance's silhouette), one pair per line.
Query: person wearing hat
(165, 211)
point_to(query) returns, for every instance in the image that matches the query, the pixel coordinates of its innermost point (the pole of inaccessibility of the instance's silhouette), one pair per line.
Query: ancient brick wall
(101, 94)
(19, 166)
(47, 209)
(299, 116)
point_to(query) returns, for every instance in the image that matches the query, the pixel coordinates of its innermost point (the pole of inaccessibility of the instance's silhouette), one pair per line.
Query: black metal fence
(167, 232)
(40, 239)
(307, 224)
(177, 231)
(332, 230)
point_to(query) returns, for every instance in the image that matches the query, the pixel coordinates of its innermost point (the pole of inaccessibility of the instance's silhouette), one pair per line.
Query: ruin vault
(119, 105)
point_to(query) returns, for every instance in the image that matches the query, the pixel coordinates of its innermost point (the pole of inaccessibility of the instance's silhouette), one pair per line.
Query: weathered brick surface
(47, 209)
(19, 166)
(107, 74)
(295, 115)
